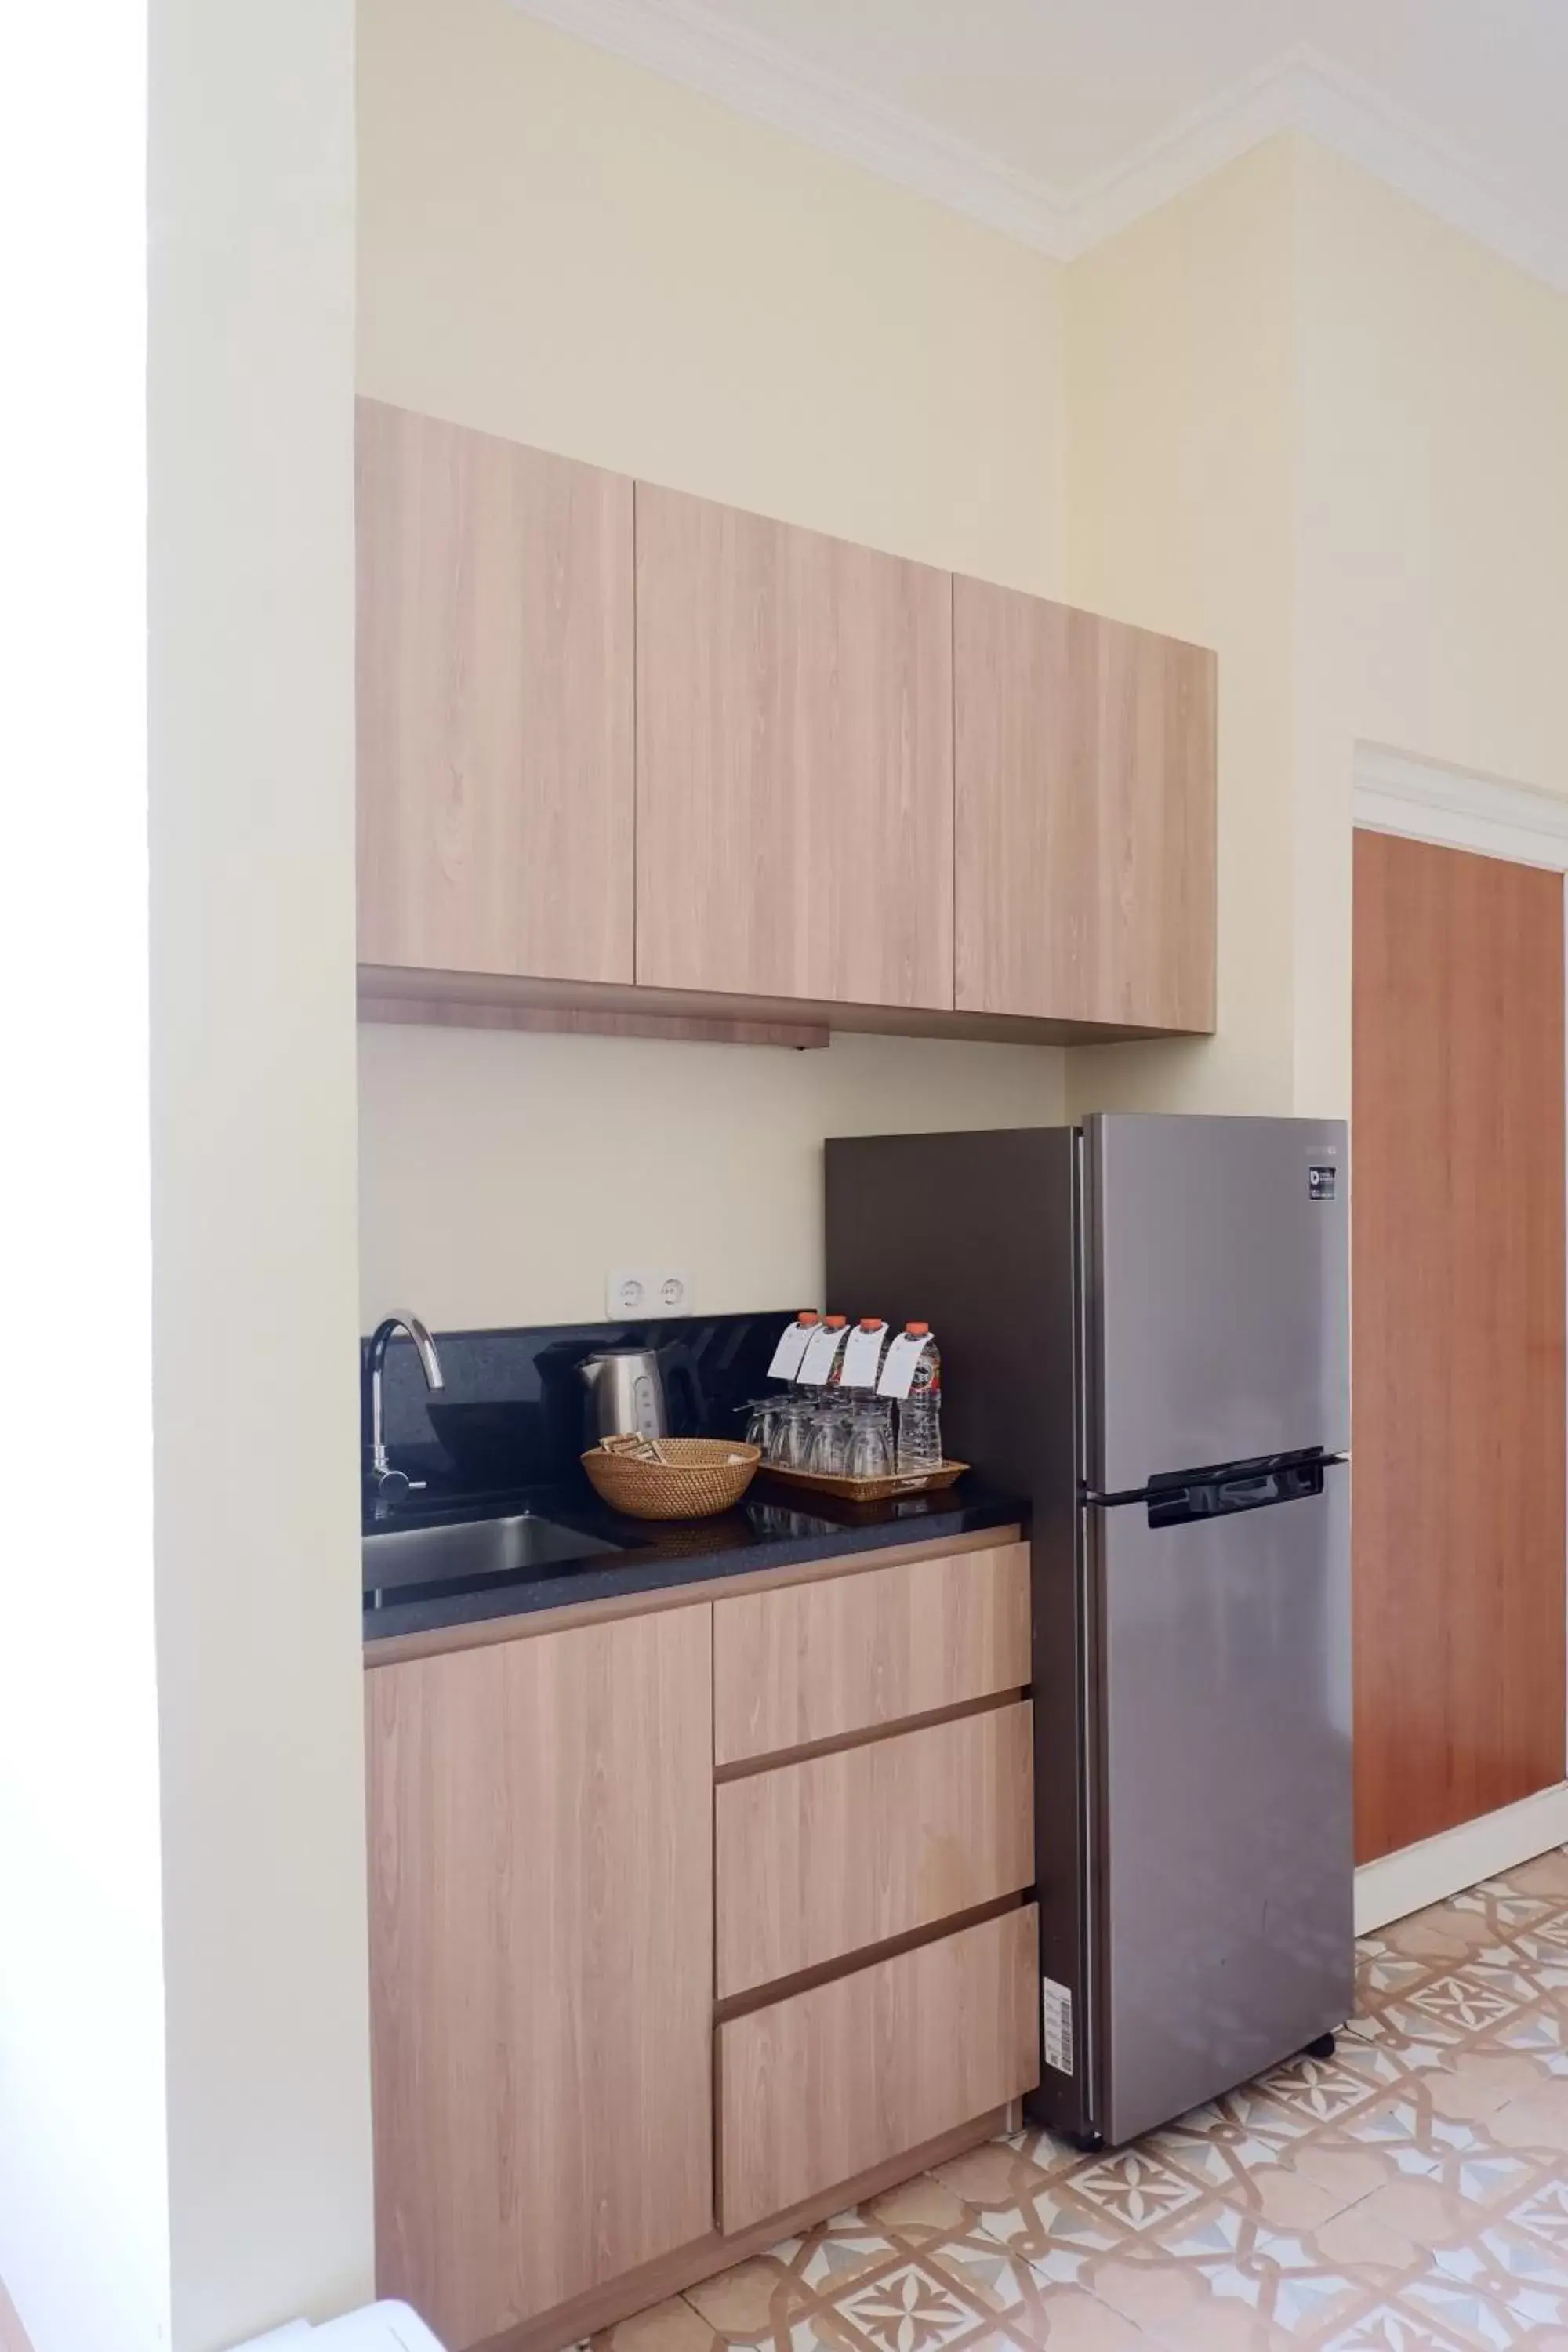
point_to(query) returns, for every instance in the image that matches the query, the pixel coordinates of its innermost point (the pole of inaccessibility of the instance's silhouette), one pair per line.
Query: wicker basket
(695, 1477)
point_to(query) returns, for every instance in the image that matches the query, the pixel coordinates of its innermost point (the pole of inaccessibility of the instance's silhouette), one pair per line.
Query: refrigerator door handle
(1217, 1496)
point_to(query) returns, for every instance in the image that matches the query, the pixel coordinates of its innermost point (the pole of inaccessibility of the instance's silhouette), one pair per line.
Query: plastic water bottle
(919, 1413)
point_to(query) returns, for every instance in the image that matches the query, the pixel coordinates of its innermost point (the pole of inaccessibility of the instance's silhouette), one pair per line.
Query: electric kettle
(625, 1392)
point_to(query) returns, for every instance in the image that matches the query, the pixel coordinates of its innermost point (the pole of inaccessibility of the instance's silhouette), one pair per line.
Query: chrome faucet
(391, 1485)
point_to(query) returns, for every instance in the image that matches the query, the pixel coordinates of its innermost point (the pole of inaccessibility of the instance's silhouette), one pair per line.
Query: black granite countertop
(774, 1526)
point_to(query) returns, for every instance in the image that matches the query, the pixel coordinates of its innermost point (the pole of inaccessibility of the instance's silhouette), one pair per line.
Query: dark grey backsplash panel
(512, 1412)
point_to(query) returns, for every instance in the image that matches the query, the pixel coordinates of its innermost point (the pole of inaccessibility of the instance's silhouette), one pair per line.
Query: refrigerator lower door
(1224, 1857)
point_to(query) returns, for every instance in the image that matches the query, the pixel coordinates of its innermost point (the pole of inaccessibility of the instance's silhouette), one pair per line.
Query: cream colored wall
(255, 1413)
(1181, 517)
(576, 1154)
(1324, 433)
(558, 247)
(84, 2211)
(1433, 456)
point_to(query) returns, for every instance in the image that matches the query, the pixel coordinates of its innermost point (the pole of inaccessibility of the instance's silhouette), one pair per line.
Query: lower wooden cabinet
(542, 1945)
(630, 2002)
(833, 2081)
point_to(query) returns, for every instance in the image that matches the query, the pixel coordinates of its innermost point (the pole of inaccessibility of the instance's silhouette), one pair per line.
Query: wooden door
(795, 762)
(1084, 812)
(541, 1965)
(1458, 1318)
(495, 705)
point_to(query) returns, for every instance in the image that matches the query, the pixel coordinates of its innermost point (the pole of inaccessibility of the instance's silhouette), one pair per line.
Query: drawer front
(816, 1661)
(820, 2087)
(824, 1857)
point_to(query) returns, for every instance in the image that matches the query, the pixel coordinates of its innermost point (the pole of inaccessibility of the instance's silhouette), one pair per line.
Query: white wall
(84, 2224)
(184, 2153)
(1182, 430)
(1433, 505)
(256, 1416)
(558, 247)
(505, 1175)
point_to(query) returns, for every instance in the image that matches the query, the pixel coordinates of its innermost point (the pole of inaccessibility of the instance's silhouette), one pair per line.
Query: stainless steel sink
(460, 1550)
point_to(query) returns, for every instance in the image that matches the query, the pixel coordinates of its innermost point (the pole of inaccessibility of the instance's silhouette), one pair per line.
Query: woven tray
(870, 1490)
(697, 1476)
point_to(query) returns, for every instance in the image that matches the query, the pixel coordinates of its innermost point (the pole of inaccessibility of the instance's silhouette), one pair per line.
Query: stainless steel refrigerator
(1143, 1327)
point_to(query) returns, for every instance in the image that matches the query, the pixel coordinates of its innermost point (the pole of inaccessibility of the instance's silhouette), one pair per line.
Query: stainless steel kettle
(625, 1392)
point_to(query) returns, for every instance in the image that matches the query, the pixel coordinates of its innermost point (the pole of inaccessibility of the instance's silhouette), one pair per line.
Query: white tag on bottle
(820, 1350)
(790, 1350)
(862, 1356)
(898, 1370)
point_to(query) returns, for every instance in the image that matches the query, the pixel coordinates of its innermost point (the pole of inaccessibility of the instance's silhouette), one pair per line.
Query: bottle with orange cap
(919, 1410)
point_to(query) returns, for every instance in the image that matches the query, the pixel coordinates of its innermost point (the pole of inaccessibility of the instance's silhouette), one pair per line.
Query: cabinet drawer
(840, 1852)
(813, 1662)
(820, 2087)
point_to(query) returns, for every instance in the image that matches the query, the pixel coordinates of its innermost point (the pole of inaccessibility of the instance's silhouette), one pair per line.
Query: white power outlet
(633, 1293)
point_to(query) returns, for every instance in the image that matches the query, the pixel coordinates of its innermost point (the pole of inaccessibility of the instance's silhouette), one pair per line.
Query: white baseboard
(1398, 1884)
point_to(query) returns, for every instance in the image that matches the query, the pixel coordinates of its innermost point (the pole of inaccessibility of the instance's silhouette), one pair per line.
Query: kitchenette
(809, 1739)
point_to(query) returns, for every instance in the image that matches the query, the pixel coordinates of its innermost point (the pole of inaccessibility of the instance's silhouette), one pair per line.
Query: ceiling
(1059, 120)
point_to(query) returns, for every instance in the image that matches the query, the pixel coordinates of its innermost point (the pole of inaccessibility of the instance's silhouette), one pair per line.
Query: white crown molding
(686, 42)
(1425, 801)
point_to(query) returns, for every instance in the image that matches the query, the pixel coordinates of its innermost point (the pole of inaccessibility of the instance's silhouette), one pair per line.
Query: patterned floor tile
(671, 2326)
(910, 2308)
(753, 2304)
(1390, 2329)
(1408, 2195)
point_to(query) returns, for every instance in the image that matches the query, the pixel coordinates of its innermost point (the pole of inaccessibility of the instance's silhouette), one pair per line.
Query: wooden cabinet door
(495, 705)
(795, 762)
(838, 1852)
(541, 1965)
(835, 2080)
(1084, 784)
(846, 1653)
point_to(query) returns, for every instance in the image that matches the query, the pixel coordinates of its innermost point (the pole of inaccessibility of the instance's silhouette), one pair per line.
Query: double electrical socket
(633, 1292)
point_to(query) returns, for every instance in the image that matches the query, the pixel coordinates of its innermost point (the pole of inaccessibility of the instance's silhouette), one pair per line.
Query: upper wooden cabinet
(625, 754)
(795, 762)
(1085, 816)
(495, 705)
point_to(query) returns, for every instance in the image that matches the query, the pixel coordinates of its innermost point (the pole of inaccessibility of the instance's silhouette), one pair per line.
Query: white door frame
(1423, 801)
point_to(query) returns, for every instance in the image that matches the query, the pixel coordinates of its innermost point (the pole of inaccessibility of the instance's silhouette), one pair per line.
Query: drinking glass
(829, 1440)
(763, 1428)
(870, 1451)
(793, 1432)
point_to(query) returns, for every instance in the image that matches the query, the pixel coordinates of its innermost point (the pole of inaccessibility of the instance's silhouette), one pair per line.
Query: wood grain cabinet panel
(496, 789)
(1084, 798)
(816, 2088)
(542, 1905)
(813, 1662)
(833, 1854)
(795, 762)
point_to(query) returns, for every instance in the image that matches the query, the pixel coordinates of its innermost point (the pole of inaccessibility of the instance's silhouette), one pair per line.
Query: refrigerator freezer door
(1218, 1287)
(1224, 1844)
